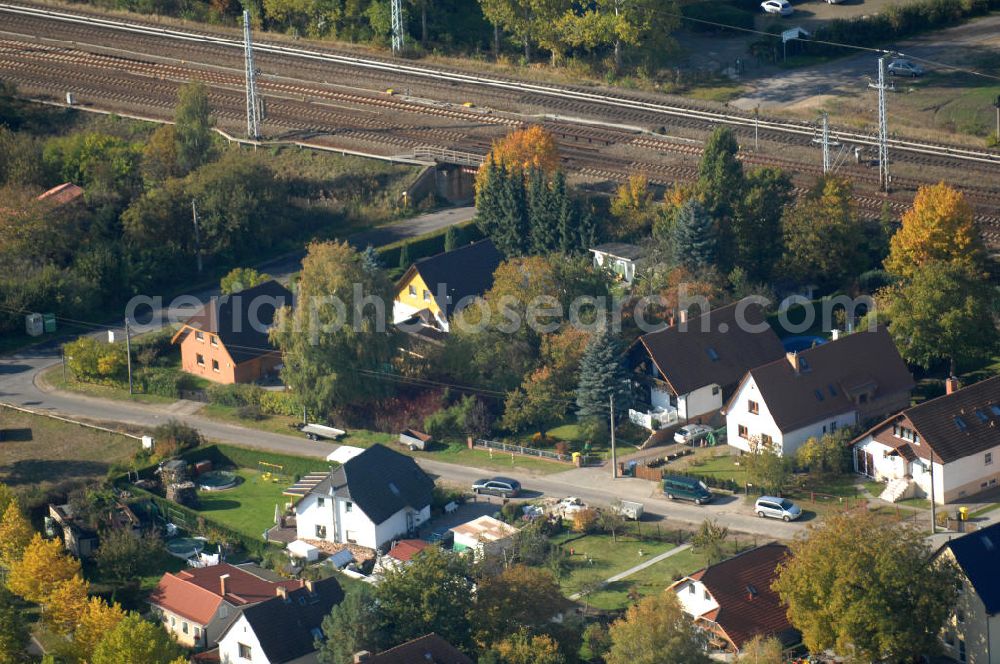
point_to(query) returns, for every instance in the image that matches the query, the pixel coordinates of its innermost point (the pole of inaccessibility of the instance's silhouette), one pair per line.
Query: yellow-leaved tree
(96, 619)
(523, 149)
(939, 227)
(15, 534)
(656, 631)
(65, 605)
(42, 567)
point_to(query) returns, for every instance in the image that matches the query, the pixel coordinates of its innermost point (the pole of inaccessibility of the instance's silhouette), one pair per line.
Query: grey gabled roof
(380, 482)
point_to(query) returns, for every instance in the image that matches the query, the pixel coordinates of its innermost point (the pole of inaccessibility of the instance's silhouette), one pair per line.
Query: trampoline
(217, 480)
(185, 547)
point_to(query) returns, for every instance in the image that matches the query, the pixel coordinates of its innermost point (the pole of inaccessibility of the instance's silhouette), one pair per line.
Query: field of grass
(54, 377)
(38, 451)
(598, 557)
(247, 507)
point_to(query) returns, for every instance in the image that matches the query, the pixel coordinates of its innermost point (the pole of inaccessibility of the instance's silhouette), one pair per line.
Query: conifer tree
(601, 376)
(696, 239)
(452, 238)
(370, 260)
(587, 232)
(487, 197)
(544, 225)
(513, 235)
(404, 257)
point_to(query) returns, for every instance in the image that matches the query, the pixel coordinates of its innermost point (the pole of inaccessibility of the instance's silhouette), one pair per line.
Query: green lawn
(54, 377)
(609, 558)
(248, 507)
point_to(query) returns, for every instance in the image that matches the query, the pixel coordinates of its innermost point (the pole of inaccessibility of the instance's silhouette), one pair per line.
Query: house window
(200, 359)
(706, 595)
(320, 502)
(184, 627)
(715, 390)
(320, 531)
(199, 336)
(833, 426)
(691, 589)
(214, 339)
(988, 458)
(215, 366)
(173, 621)
(244, 651)
(413, 290)
(743, 431)
(427, 296)
(351, 536)
(348, 507)
(766, 440)
(197, 632)
(753, 407)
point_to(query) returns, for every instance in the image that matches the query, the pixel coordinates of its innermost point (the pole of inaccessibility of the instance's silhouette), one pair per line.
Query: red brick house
(226, 341)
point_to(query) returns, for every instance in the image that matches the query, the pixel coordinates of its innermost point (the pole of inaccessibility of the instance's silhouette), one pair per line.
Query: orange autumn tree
(939, 227)
(523, 148)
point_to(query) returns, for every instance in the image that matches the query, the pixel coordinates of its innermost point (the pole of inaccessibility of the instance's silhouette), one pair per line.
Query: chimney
(793, 359)
(223, 584)
(951, 384)
(362, 656)
(281, 592)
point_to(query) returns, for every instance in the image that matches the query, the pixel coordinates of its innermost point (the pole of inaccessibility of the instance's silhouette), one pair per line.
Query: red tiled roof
(406, 549)
(64, 193)
(742, 587)
(429, 648)
(196, 593)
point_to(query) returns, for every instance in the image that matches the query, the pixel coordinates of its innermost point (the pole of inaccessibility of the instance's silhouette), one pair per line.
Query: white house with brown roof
(804, 395)
(691, 367)
(732, 601)
(195, 605)
(948, 447)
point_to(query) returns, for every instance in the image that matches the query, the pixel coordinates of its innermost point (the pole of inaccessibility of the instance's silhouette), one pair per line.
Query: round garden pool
(185, 547)
(217, 480)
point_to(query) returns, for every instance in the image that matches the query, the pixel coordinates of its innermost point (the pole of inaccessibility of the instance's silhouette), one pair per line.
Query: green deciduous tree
(352, 626)
(766, 468)
(193, 126)
(941, 312)
(711, 540)
(656, 631)
(522, 647)
(826, 455)
(536, 403)
(122, 556)
(519, 599)
(136, 641)
(761, 650)
(431, 594)
(241, 278)
(824, 240)
(867, 589)
(334, 353)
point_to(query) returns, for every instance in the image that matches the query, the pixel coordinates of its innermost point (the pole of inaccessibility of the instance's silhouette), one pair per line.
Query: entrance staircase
(898, 489)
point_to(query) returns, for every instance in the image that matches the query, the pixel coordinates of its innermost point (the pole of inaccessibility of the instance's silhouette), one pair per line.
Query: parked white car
(567, 507)
(691, 433)
(781, 7)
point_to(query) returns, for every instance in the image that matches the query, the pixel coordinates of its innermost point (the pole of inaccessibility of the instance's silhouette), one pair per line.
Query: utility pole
(614, 454)
(64, 364)
(883, 127)
(197, 234)
(253, 116)
(756, 128)
(826, 144)
(997, 104)
(128, 355)
(397, 26)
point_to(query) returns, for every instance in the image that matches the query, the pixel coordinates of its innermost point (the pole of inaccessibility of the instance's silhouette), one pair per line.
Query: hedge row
(426, 245)
(269, 402)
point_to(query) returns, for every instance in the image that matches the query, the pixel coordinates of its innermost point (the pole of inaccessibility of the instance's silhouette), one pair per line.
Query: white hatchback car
(691, 433)
(781, 7)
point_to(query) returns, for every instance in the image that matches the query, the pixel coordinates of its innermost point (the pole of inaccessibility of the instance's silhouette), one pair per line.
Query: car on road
(497, 486)
(567, 507)
(900, 67)
(777, 508)
(688, 488)
(691, 433)
(781, 7)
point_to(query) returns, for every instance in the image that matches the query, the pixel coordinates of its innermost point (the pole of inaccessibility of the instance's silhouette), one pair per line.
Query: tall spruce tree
(452, 238)
(721, 184)
(569, 241)
(544, 225)
(587, 232)
(513, 236)
(602, 375)
(696, 239)
(404, 257)
(488, 198)
(370, 261)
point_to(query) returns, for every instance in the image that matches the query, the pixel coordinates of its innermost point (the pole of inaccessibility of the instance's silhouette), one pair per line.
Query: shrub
(280, 403)
(585, 521)
(175, 437)
(235, 396)
(562, 447)
(166, 382)
(250, 412)
(511, 512)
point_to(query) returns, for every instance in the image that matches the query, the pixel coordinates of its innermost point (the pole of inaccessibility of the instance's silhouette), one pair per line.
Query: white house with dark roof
(804, 395)
(691, 367)
(948, 447)
(376, 497)
(618, 258)
(972, 632)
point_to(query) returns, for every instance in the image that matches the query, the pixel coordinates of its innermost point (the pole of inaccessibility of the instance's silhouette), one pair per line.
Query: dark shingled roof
(430, 649)
(935, 420)
(828, 375)
(284, 627)
(978, 554)
(742, 587)
(463, 272)
(712, 348)
(619, 250)
(380, 482)
(241, 320)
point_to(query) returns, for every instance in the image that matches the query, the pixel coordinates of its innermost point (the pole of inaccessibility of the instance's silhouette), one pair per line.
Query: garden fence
(525, 451)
